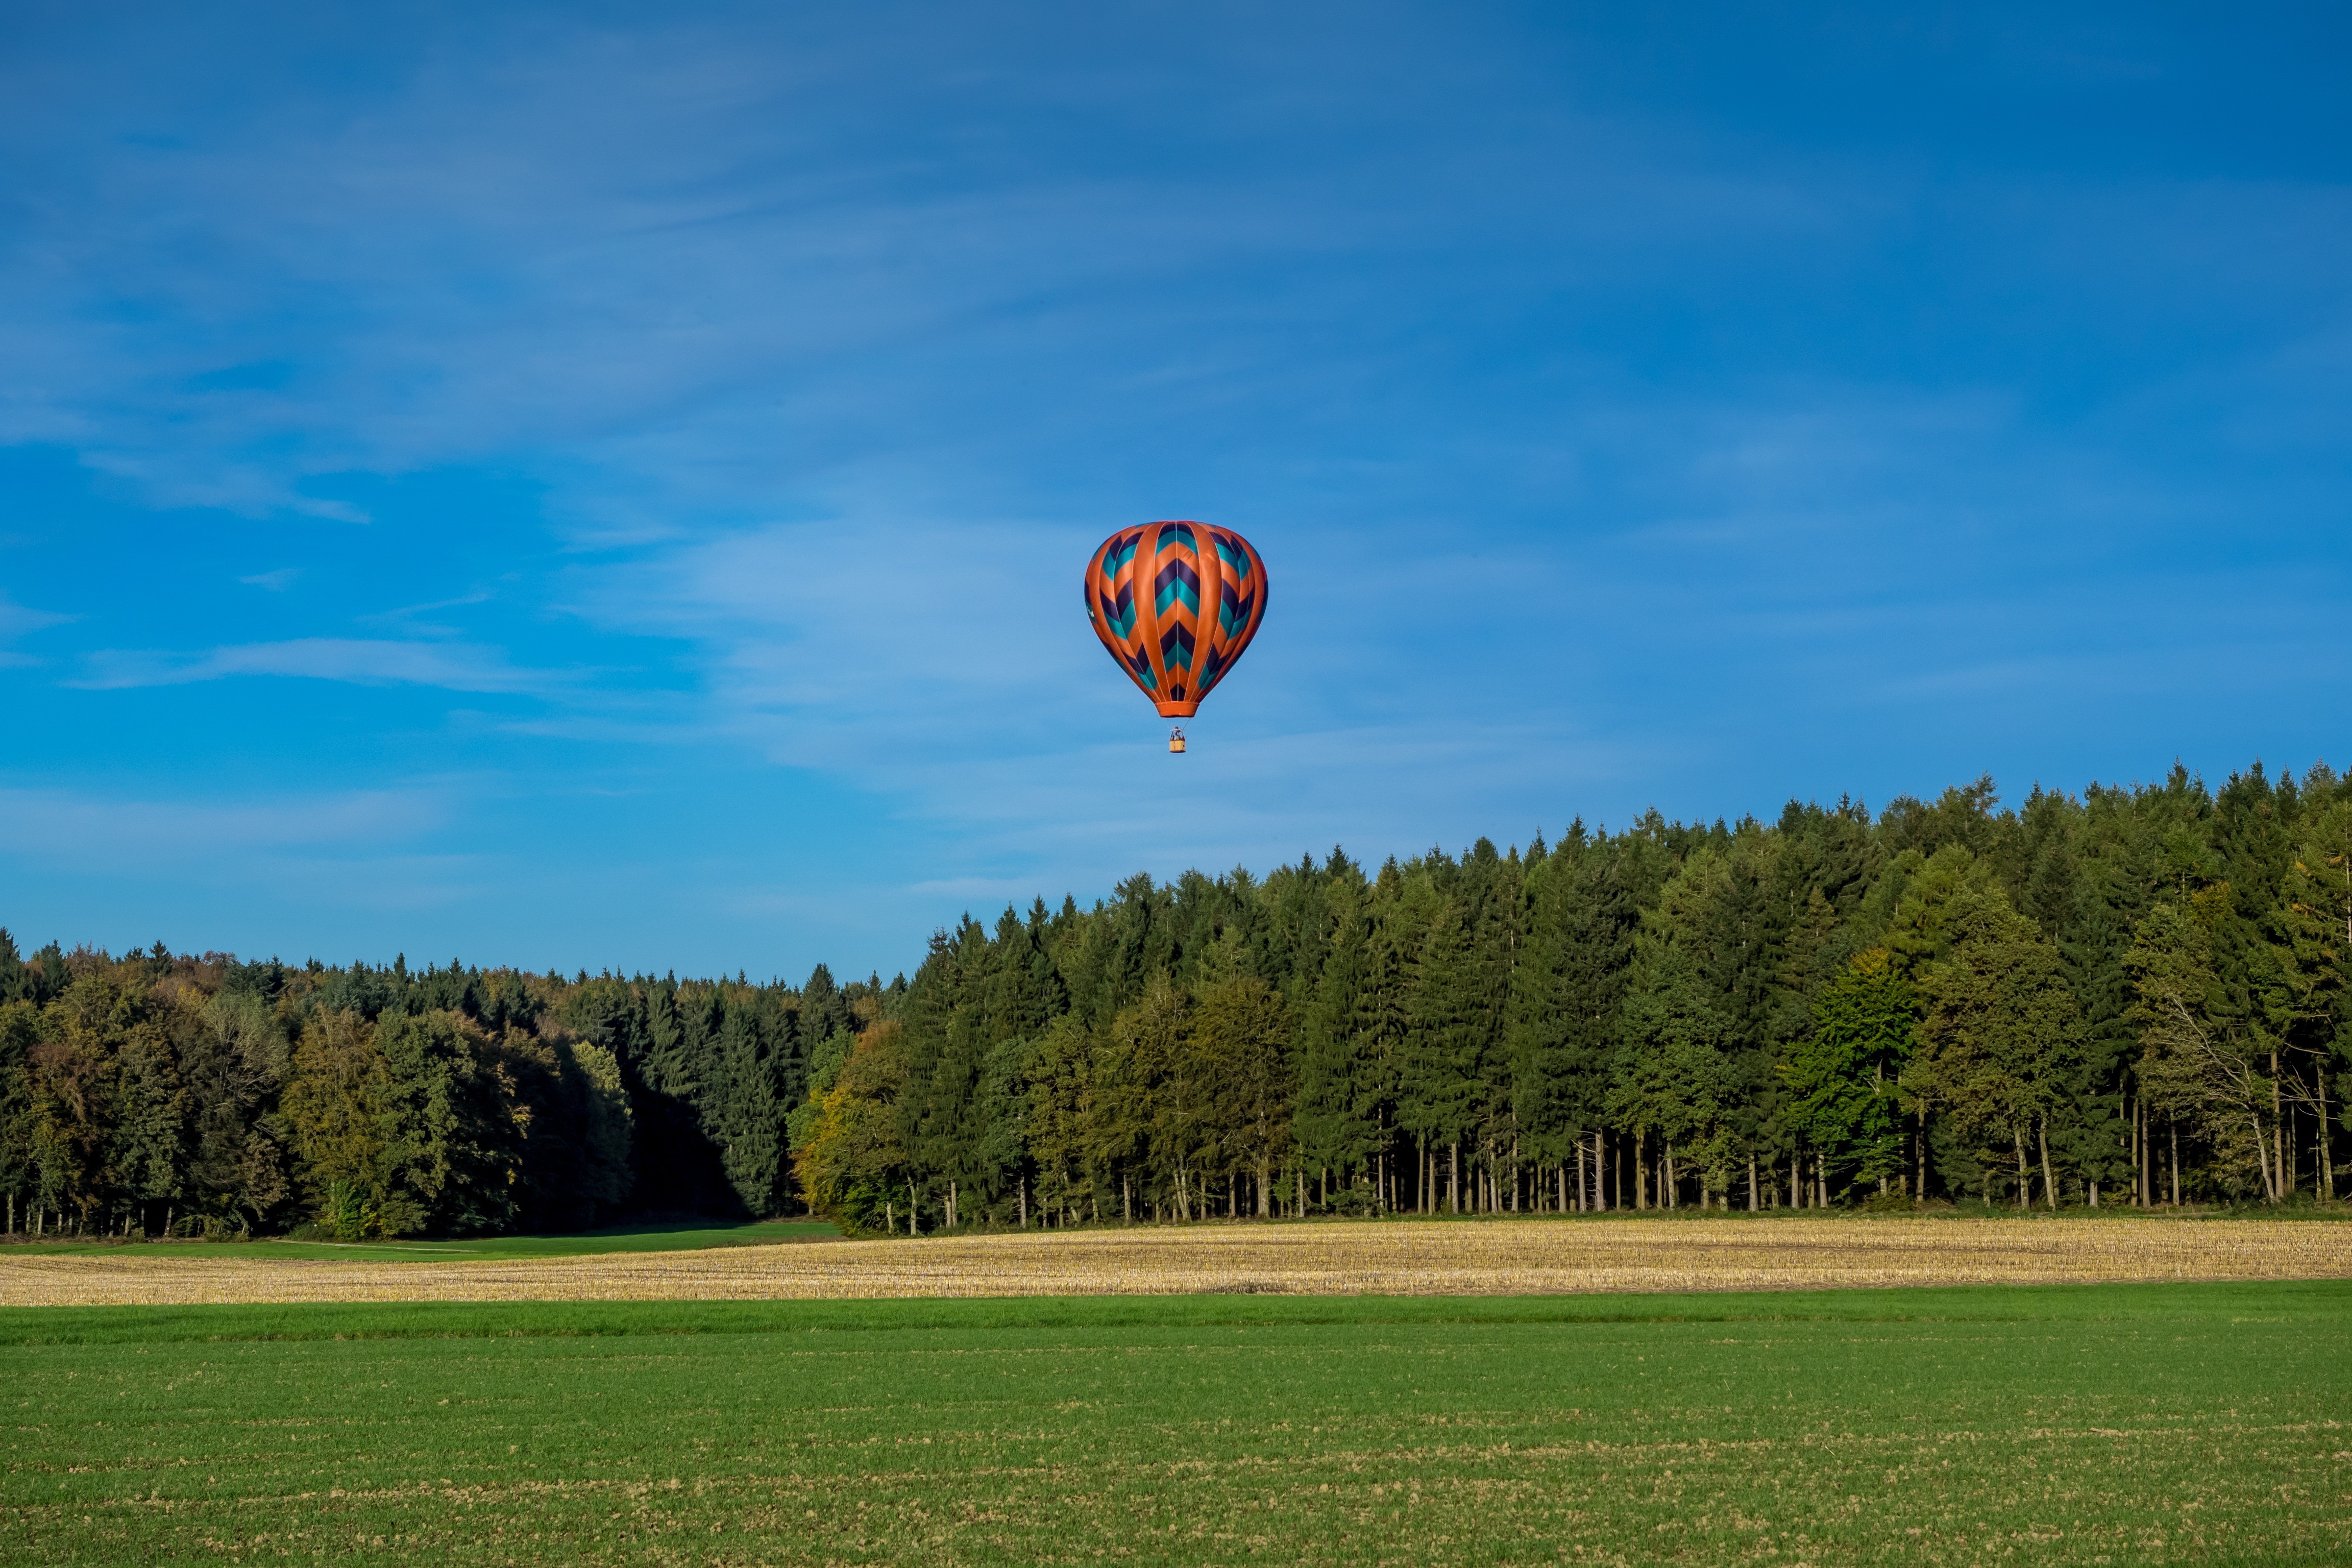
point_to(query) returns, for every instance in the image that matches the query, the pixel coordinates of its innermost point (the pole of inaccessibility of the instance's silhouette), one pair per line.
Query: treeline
(200, 1096)
(2129, 996)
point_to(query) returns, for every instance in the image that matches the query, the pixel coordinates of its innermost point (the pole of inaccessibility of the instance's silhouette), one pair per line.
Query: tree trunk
(1126, 1201)
(2134, 1144)
(1666, 1165)
(2143, 1160)
(1453, 1177)
(2279, 1129)
(1024, 1197)
(2174, 1131)
(2326, 1160)
(2049, 1182)
(2262, 1158)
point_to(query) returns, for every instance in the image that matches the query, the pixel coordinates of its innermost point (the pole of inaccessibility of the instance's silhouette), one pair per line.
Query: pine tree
(751, 1121)
(1334, 1122)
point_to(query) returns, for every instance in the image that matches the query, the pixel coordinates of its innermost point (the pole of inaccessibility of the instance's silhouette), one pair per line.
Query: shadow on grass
(681, 1236)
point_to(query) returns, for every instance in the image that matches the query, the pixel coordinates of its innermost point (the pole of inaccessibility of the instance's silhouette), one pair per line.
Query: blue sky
(607, 486)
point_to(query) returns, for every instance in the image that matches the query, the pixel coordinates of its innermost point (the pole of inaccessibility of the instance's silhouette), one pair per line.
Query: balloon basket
(1176, 741)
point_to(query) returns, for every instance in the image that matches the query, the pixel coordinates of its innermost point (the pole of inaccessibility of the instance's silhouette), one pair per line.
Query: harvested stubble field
(2119, 1424)
(1533, 1256)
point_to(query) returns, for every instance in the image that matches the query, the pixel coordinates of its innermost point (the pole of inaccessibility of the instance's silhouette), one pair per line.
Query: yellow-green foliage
(853, 1167)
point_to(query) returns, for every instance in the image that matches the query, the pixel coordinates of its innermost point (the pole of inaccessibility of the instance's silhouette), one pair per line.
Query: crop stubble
(1489, 1257)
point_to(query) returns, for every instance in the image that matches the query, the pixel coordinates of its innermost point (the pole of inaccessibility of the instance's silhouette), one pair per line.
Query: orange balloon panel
(1176, 603)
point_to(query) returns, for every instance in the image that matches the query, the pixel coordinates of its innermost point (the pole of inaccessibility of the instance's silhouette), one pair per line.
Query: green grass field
(631, 1238)
(2114, 1424)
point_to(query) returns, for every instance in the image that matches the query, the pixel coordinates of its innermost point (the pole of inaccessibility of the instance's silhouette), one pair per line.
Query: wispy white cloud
(276, 582)
(406, 617)
(114, 833)
(457, 667)
(712, 257)
(17, 620)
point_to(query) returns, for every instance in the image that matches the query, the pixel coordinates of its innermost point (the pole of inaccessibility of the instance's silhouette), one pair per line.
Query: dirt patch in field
(1490, 1257)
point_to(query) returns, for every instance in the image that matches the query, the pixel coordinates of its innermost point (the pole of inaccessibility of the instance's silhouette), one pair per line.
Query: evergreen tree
(448, 1143)
(1843, 1077)
(750, 1120)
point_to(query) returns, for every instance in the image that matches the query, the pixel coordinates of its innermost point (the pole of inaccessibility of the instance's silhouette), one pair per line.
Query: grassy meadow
(2139, 1423)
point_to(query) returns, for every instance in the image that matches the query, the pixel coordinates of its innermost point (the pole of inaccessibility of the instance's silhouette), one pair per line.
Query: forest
(2129, 996)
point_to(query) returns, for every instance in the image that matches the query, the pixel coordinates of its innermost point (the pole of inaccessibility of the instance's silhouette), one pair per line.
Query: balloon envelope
(1176, 603)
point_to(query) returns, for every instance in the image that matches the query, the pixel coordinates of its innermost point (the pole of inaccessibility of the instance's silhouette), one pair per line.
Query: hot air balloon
(1176, 603)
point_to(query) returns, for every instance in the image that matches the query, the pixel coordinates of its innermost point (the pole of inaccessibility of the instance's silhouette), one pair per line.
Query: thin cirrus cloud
(119, 833)
(20, 620)
(459, 271)
(16, 619)
(454, 667)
